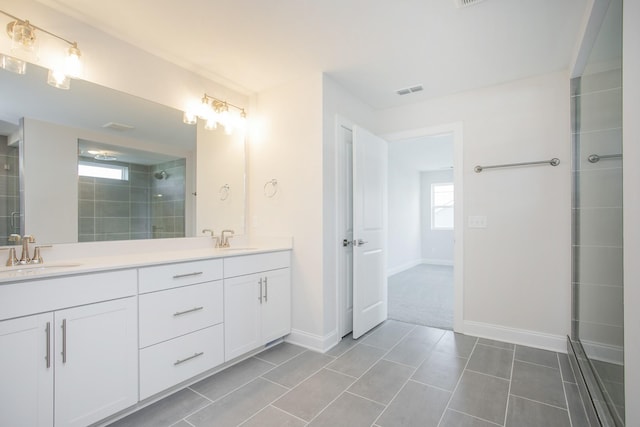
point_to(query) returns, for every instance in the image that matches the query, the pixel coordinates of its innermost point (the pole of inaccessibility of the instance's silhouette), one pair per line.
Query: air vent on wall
(465, 3)
(408, 90)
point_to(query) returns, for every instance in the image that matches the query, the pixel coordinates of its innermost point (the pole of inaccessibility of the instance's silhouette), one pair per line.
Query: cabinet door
(276, 305)
(241, 315)
(26, 371)
(96, 361)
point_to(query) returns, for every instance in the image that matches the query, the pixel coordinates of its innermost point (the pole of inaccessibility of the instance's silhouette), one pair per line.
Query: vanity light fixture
(24, 38)
(217, 112)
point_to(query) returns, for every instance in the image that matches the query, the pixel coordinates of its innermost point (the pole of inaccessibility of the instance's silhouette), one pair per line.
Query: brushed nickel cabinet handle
(266, 289)
(64, 341)
(260, 290)
(47, 357)
(180, 313)
(180, 276)
(178, 362)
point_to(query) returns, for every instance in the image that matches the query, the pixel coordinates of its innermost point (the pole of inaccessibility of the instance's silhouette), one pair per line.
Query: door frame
(456, 129)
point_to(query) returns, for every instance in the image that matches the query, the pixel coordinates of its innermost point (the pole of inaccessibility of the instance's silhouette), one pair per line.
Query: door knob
(346, 243)
(359, 242)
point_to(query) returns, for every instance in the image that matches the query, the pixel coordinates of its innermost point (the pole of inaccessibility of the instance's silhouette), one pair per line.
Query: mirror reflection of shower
(161, 175)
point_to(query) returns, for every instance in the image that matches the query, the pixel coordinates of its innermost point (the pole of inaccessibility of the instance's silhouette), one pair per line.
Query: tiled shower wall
(123, 210)
(9, 191)
(167, 199)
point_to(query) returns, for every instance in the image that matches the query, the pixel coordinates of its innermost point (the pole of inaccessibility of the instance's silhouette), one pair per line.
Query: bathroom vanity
(82, 341)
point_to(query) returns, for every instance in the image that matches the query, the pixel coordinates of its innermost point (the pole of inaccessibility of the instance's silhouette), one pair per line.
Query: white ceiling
(371, 47)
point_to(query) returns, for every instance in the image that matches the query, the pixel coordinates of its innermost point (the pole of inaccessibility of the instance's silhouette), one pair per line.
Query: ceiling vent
(408, 90)
(117, 126)
(465, 3)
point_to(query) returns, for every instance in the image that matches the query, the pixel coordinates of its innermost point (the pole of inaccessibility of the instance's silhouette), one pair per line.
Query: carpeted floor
(422, 295)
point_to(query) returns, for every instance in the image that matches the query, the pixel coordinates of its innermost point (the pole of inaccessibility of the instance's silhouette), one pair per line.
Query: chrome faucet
(25, 258)
(224, 238)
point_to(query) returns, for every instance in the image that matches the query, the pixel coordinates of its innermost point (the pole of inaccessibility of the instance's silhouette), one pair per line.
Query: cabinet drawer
(169, 276)
(174, 312)
(171, 362)
(248, 264)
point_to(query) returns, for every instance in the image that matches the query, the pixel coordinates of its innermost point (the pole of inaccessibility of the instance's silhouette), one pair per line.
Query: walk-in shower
(597, 340)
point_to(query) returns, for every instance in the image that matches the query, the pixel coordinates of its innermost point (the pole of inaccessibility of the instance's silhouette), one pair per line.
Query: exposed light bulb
(73, 64)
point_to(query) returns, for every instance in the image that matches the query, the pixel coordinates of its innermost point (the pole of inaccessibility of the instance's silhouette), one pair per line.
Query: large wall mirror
(94, 164)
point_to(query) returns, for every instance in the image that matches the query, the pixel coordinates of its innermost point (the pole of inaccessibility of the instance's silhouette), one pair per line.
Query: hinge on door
(346, 243)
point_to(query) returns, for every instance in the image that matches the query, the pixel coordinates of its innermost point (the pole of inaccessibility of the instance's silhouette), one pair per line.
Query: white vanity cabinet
(181, 330)
(68, 366)
(257, 301)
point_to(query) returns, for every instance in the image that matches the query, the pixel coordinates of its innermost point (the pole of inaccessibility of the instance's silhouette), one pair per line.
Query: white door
(242, 321)
(345, 225)
(96, 368)
(26, 371)
(369, 231)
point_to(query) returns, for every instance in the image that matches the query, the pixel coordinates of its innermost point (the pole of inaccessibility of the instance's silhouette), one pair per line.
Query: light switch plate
(478, 221)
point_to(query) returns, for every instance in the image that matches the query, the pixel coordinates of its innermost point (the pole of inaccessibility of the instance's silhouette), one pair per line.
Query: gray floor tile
(348, 410)
(527, 413)
(415, 405)
(280, 353)
(312, 395)
(166, 411)
(458, 419)
(410, 351)
(576, 408)
(426, 334)
(356, 361)
(441, 370)
(236, 407)
(565, 368)
(291, 373)
(481, 396)
(231, 378)
(382, 381)
(498, 344)
(491, 361)
(538, 356)
(457, 344)
(273, 417)
(182, 423)
(342, 347)
(538, 383)
(609, 371)
(388, 334)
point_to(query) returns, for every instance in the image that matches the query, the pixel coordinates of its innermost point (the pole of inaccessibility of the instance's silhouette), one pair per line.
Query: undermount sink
(34, 268)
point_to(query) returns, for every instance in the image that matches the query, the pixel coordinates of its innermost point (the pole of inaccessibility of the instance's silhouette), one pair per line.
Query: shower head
(161, 175)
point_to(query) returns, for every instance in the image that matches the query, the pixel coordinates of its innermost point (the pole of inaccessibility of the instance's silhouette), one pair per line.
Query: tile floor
(397, 375)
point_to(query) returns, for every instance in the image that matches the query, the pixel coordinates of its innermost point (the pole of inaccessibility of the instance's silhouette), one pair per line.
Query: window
(97, 170)
(442, 206)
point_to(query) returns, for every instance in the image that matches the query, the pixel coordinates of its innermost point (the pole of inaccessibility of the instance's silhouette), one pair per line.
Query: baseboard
(434, 261)
(557, 343)
(604, 353)
(312, 341)
(403, 267)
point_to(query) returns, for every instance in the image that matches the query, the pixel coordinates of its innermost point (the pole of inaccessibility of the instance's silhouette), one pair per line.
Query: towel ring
(224, 192)
(270, 188)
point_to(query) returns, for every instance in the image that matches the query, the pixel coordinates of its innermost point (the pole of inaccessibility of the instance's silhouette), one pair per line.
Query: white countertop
(127, 259)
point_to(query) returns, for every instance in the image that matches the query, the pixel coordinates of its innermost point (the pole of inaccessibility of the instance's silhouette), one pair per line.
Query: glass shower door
(597, 327)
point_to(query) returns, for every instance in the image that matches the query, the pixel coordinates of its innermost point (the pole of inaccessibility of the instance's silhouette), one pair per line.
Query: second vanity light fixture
(216, 112)
(23, 35)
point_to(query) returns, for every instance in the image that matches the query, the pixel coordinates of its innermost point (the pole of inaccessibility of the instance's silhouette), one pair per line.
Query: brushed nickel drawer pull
(180, 313)
(64, 340)
(47, 357)
(266, 289)
(177, 362)
(260, 290)
(180, 276)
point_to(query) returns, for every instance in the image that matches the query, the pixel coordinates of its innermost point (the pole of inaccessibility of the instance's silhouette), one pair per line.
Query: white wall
(517, 270)
(289, 149)
(403, 241)
(631, 210)
(436, 245)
